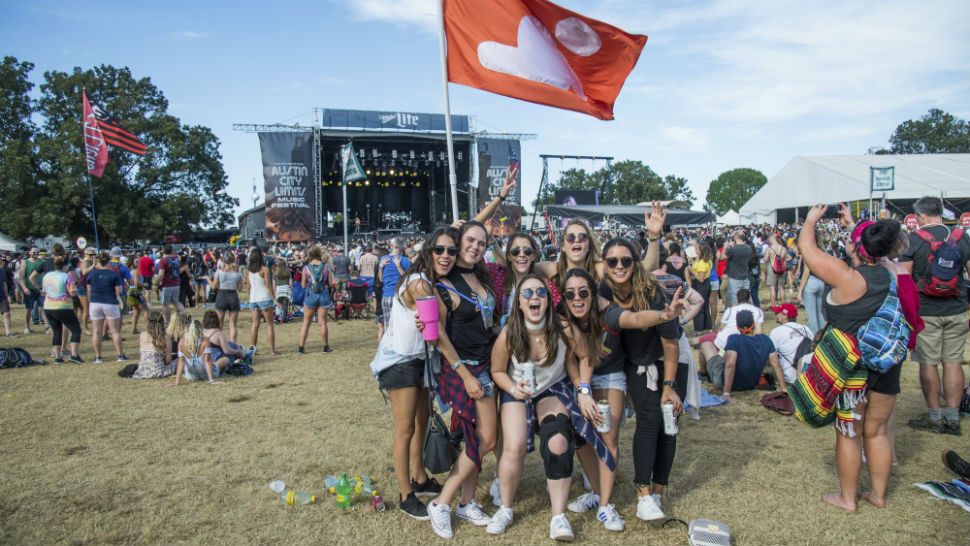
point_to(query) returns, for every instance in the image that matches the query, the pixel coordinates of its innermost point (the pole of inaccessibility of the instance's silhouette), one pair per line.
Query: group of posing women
(595, 325)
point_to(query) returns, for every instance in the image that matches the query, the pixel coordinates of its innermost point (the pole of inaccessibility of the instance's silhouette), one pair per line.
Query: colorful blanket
(954, 492)
(833, 384)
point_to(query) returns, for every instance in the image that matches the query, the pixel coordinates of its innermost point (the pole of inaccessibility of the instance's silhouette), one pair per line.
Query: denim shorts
(488, 386)
(82, 291)
(615, 380)
(315, 300)
(262, 305)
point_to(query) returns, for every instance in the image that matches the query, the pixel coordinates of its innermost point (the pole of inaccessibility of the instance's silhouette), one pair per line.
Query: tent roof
(808, 180)
(631, 215)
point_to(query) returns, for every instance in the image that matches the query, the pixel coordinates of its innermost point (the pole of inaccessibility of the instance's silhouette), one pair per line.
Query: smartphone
(832, 211)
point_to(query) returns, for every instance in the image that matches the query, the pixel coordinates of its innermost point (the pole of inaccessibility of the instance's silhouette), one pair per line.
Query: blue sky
(721, 83)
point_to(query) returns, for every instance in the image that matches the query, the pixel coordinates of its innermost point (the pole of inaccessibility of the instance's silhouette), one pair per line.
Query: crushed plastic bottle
(291, 498)
(330, 483)
(277, 486)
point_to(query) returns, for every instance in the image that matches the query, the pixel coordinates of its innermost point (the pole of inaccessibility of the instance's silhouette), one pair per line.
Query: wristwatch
(671, 384)
(584, 389)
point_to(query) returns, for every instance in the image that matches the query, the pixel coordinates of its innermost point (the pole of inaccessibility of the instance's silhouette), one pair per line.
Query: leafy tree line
(630, 182)
(178, 186)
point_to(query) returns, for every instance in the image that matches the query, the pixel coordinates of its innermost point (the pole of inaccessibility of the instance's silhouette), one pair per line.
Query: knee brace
(558, 465)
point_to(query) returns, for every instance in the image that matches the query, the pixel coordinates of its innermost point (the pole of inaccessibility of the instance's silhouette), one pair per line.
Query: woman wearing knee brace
(529, 362)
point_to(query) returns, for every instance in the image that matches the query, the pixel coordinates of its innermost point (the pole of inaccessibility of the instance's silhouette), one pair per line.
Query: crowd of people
(565, 337)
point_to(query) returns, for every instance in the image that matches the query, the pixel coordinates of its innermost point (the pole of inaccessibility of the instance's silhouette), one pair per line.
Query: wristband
(653, 239)
(501, 198)
(725, 394)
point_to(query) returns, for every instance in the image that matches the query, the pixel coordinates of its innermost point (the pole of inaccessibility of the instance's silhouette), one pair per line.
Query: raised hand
(654, 218)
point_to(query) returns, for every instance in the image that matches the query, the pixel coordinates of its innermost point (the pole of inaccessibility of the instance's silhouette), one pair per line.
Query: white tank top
(257, 288)
(546, 376)
(406, 340)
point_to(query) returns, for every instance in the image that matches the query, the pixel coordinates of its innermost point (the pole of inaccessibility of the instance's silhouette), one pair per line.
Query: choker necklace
(625, 298)
(535, 327)
(463, 270)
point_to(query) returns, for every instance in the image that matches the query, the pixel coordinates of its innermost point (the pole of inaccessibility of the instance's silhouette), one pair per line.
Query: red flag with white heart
(539, 52)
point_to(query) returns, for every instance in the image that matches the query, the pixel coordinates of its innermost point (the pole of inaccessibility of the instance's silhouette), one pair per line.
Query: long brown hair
(509, 274)
(518, 334)
(479, 268)
(592, 256)
(643, 285)
(156, 329)
(592, 331)
(424, 262)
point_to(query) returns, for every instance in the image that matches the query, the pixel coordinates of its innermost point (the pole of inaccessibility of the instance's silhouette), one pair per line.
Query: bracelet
(725, 394)
(501, 198)
(653, 239)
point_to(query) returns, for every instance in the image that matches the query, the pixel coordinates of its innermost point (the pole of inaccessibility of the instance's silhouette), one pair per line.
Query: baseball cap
(116, 252)
(786, 308)
(745, 320)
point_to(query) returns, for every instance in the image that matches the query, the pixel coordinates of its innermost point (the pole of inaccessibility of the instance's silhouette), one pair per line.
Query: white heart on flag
(536, 58)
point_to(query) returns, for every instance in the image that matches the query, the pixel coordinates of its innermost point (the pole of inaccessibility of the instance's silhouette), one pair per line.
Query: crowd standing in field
(562, 336)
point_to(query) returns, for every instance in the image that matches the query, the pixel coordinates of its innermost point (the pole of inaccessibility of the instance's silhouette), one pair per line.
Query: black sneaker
(327, 349)
(300, 349)
(76, 359)
(956, 464)
(951, 427)
(415, 508)
(58, 360)
(430, 487)
(923, 422)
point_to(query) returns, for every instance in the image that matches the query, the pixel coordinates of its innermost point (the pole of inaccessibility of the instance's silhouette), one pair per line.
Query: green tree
(631, 182)
(178, 186)
(937, 132)
(18, 160)
(732, 189)
(570, 179)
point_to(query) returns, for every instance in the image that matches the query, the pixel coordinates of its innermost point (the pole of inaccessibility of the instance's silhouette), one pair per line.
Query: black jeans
(57, 318)
(653, 451)
(703, 320)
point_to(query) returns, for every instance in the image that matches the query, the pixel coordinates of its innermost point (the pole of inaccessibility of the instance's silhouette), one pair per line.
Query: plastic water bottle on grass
(293, 498)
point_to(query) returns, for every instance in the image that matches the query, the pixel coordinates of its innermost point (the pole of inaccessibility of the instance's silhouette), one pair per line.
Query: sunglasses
(571, 294)
(441, 249)
(541, 292)
(574, 237)
(625, 261)
(527, 250)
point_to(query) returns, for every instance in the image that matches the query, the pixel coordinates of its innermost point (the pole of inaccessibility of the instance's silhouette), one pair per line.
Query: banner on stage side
(494, 158)
(289, 185)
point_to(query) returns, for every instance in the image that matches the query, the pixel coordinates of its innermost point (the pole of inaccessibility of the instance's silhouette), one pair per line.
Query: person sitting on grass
(173, 335)
(152, 363)
(787, 337)
(714, 342)
(195, 362)
(745, 357)
(224, 352)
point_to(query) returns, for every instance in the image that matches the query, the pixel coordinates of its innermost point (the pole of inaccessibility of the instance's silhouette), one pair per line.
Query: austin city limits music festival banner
(494, 157)
(289, 185)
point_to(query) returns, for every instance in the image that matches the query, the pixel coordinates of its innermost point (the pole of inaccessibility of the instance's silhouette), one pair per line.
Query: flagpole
(452, 177)
(94, 216)
(346, 244)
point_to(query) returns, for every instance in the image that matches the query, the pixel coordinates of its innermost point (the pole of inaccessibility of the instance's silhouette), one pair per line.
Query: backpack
(11, 357)
(884, 337)
(317, 278)
(198, 267)
(943, 265)
(778, 265)
(172, 268)
(805, 347)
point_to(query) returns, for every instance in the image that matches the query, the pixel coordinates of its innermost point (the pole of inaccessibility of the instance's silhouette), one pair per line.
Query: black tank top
(677, 272)
(466, 324)
(849, 317)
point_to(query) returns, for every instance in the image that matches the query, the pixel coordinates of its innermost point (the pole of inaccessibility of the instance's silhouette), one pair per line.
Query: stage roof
(631, 215)
(809, 180)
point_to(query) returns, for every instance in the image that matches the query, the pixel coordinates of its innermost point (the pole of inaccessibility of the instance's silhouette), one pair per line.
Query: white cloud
(421, 13)
(187, 35)
(686, 136)
(838, 132)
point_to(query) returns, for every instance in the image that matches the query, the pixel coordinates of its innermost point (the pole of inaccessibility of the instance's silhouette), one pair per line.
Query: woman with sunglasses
(538, 338)
(599, 325)
(581, 249)
(518, 260)
(652, 373)
(399, 367)
(466, 334)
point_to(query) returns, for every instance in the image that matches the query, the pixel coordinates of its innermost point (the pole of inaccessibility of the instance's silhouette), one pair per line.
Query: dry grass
(89, 458)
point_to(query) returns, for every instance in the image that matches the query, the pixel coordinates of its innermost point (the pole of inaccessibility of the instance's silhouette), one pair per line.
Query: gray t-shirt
(228, 280)
(738, 257)
(341, 266)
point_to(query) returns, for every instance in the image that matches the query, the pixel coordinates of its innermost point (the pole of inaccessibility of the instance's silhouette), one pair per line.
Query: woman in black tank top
(857, 293)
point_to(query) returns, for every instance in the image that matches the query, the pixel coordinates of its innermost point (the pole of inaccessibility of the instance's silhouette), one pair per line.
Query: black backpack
(805, 347)
(14, 357)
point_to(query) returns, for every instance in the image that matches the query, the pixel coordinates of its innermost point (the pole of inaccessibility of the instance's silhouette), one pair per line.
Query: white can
(670, 422)
(604, 408)
(529, 375)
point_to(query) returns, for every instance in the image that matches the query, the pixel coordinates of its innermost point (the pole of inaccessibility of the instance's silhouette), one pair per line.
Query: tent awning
(631, 215)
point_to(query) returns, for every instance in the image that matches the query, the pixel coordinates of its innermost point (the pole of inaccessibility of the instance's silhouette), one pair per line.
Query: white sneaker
(500, 521)
(472, 513)
(27, 331)
(584, 503)
(496, 492)
(559, 529)
(658, 499)
(647, 509)
(440, 519)
(610, 519)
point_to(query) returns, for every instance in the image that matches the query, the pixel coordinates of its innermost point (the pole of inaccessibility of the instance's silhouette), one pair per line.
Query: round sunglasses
(438, 250)
(625, 261)
(516, 250)
(574, 237)
(571, 294)
(540, 292)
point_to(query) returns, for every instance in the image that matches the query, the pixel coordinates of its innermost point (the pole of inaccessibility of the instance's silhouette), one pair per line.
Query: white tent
(9, 244)
(730, 218)
(806, 181)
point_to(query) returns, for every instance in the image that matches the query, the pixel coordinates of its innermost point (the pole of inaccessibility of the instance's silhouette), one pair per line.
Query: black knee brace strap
(558, 466)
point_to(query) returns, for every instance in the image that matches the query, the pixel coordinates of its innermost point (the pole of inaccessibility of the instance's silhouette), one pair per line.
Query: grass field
(90, 458)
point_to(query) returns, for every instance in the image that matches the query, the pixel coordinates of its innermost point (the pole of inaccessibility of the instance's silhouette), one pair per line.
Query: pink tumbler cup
(428, 313)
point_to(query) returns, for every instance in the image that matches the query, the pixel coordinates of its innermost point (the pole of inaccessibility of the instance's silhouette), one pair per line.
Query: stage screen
(571, 198)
